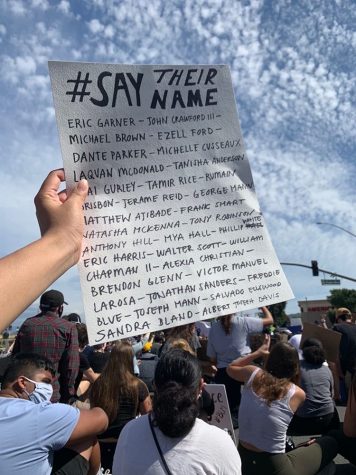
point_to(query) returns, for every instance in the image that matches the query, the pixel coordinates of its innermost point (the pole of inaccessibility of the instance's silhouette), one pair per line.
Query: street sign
(330, 281)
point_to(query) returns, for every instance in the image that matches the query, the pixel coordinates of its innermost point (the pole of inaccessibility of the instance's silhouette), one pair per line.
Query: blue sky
(293, 70)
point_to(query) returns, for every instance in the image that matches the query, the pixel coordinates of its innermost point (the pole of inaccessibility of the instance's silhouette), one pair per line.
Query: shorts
(69, 462)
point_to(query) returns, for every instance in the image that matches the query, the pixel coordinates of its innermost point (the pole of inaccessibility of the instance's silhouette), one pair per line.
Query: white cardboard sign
(221, 417)
(173, 228)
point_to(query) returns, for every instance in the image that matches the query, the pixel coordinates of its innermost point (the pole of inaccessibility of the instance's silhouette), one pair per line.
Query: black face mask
(60, 311)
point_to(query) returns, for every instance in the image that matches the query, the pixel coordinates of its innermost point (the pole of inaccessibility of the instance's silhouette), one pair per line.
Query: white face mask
(42, 392)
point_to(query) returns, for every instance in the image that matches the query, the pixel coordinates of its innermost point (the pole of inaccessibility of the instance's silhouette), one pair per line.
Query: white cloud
(41, 4)
(95, 26)
(15, 68)
(2, 29)
(17, 7)
(64, 7)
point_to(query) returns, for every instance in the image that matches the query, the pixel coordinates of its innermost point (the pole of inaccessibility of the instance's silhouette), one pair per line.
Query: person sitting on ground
(229, 339)
(173, 440)
(269, 399)
(206, 402)
(35, 267)
(40, 437)
(317, 414)
(122, 396)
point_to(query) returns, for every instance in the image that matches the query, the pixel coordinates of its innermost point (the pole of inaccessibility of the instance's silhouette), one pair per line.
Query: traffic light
(315, 268)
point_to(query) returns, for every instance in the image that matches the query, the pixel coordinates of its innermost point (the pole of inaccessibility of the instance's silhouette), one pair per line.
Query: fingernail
(83, 185)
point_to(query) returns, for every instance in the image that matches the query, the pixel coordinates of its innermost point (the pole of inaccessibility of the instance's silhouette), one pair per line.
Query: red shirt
(57, 339)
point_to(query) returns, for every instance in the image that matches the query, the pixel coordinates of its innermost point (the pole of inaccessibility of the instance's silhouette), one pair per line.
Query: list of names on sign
(173, 230)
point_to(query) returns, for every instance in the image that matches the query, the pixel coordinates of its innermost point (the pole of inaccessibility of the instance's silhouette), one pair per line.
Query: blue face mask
(42, 392)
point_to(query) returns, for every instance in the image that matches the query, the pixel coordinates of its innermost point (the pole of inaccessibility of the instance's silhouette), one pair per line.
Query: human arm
(89, 375)
(267, 318)
(91, 422)
(34, 267)
(144, 399)
(145, 406)
(241, 368)
(137, 347)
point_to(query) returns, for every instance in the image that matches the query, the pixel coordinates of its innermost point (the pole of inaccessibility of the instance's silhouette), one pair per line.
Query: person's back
(121, 395)
(148, 363)
(317, 383)
(205, 450)
(264, 424)
(347, 346)
(56, 339)
(188, 444)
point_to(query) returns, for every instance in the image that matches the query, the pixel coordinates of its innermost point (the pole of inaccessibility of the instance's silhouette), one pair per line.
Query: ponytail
(177, 382)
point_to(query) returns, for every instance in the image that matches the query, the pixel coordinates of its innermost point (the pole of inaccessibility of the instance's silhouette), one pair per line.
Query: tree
(343, 298)
(279, 315)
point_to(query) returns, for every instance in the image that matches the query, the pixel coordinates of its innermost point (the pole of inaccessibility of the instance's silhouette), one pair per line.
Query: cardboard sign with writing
(329, 338)
(221, 417)
(173, 228)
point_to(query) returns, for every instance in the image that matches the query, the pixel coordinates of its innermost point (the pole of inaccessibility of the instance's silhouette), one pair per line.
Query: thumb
(80, 192)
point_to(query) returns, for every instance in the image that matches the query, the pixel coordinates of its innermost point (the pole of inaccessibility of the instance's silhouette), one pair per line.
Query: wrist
(65, 250)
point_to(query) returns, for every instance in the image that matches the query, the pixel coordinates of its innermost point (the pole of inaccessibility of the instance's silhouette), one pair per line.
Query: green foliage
(279, 315)
(343, 298)
(331, 314)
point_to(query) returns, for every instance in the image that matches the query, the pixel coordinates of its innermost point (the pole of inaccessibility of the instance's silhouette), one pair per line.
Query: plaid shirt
(57, 339)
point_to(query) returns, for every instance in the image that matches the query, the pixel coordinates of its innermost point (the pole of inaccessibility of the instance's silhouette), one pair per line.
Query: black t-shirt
(83, 366)
(98, 360)
(347, 346)
(128, 410)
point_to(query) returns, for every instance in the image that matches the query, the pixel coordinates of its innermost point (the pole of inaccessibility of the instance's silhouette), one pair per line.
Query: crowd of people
(137, 406)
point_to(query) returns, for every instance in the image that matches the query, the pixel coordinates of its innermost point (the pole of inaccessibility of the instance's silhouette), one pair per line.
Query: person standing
(347, 348)
(229, 339)
(55, 338)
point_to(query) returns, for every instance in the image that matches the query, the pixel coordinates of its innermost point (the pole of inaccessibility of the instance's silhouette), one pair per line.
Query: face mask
(42, 392)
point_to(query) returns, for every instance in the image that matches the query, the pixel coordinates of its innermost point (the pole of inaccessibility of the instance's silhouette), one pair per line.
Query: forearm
(267, 317)
(34, 268)
(247, 359)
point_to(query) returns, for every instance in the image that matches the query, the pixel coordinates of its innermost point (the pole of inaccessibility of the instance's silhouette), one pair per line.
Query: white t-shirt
(206, 450)
(295, 342)
(30, 434)
(226, 348)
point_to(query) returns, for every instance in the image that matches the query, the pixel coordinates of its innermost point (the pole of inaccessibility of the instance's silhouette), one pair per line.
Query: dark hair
(177, 380)
(282, 368)
(226, 322)
(26, 364)
(116, 381)
(82, 335)
(283, 362)
(159, 338)
(313, 351)
(73, 317)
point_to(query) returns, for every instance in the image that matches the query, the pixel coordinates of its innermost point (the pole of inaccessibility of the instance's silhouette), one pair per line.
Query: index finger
(52, 182)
